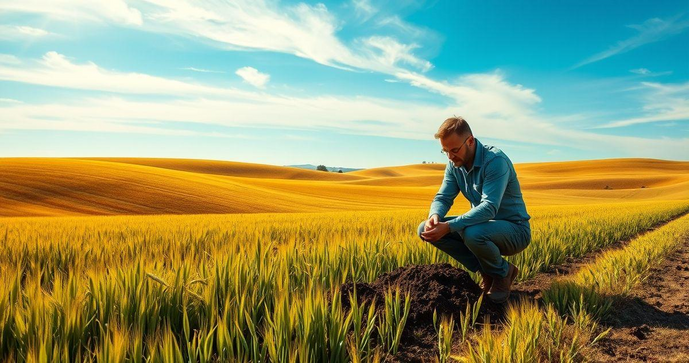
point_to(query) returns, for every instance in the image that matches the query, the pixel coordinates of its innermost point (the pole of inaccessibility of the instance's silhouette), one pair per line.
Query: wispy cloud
(397, 22)
(303, 30)
(9, 100)
(9, 59)
(21, 32)
(55, 69)
(489, 92)
(117, 11)
(253, 77)
(389, 52)
(650, 31)
(641, 71)
(647, 73)
(497, 109)
(398, 119)
(662, 102)
(363, 9)
(201, 70)
(501, 109)
(307, 31)
(106, 126)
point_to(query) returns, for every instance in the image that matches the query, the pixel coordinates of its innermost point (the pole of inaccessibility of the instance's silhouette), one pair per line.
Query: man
(497, 223)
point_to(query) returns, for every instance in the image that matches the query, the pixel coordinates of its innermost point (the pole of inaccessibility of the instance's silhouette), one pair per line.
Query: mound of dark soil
(439, 287)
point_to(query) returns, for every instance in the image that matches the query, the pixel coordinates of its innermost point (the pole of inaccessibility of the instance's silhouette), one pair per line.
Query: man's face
(456, 148)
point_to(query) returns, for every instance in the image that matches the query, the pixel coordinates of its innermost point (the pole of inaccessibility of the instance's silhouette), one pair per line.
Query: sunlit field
(264, 286)
(59, 187)
(233, 287)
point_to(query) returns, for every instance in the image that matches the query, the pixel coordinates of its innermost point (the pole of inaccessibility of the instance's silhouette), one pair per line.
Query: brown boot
(500, 290)
(486, 282)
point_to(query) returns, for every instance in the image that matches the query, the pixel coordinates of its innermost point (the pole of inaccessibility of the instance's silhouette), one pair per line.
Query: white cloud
(75, 10)
(303, 30)
(9, 100)
(9, 59)
(253, 76)
(641, 71)
(339, 114)
(486, 93)
(650, 31)
(201, 70)
(363, 8)
(396, 22)
(389, 52)
(21, 32)
(644, 72)
(662, 102)
(495, 108)
(30, 31)
(55, 69)
(395, 119)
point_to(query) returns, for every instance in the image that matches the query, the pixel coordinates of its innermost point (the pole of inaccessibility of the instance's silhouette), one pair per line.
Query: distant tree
(321, 168)
(423, 162)
(340, 171)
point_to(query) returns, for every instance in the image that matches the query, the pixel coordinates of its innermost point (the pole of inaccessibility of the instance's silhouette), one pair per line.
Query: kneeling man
(497, 223)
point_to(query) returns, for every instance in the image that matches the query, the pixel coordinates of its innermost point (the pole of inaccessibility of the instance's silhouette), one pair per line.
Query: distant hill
(231, 168)
(115, 186)
(333, 169)
(112, 186)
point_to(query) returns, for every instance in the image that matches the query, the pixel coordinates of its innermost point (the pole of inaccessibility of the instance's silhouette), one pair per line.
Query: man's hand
(431, 223)
(437, 232)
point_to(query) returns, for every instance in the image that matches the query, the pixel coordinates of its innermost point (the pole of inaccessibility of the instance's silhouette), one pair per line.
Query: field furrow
(652, 322)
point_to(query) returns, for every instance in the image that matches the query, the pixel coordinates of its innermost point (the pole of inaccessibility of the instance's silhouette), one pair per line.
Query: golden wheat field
(170, 260)
(108, 186)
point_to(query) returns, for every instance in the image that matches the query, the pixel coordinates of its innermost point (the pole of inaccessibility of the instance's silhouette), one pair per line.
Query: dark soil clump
(641, 332)
(438, 287)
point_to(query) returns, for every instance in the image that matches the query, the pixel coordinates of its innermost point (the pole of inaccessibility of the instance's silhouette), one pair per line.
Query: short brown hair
(455, 124)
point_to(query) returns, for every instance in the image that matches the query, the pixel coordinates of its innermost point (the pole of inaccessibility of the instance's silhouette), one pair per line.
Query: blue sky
(358, 83)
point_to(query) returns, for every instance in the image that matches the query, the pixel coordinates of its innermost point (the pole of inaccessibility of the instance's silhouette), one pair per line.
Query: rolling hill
(111, 186)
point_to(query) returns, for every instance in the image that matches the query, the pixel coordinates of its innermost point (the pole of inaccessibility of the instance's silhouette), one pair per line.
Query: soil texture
(652, 324)
(438, 287)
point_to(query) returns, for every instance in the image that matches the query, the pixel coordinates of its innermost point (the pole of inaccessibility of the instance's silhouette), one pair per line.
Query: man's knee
(474, 235)
(421, 229)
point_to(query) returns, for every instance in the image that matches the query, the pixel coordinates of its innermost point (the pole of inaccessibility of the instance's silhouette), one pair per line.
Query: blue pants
(481, 246)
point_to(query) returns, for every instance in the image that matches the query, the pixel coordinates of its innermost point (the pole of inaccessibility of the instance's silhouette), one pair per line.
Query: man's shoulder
(491, 152)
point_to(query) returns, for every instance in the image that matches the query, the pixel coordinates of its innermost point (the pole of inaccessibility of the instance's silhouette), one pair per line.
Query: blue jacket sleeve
(445, 197)
(497, 175)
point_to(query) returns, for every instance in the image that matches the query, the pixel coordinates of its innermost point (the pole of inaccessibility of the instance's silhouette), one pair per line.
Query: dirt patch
(440, 286)
(652, 324)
